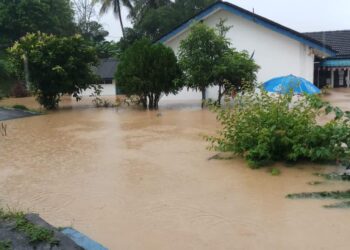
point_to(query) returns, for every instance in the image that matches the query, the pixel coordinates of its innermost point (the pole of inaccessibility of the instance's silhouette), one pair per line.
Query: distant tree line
(59, 42)
(60, 20)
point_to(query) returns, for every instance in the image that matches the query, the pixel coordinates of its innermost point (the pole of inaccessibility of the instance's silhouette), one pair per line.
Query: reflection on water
(140, 180)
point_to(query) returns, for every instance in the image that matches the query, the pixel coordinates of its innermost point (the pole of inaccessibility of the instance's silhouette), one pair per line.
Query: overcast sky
(300, 15)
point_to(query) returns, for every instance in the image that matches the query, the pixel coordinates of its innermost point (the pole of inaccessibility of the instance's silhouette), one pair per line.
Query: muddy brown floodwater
(140, 180)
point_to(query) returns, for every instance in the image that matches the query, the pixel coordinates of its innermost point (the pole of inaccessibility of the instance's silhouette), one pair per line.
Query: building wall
(107, 90)
(276, 54)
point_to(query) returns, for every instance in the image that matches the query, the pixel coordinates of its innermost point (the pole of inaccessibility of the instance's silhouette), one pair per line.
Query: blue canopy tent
(290, 83)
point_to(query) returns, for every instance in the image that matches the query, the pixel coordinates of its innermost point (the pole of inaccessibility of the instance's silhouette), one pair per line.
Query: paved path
(8, 114)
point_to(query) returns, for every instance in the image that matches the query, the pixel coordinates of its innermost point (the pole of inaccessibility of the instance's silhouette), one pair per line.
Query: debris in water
(321, 195)
(221, 156)
(335, 176)
(345, 204)
(314, 183)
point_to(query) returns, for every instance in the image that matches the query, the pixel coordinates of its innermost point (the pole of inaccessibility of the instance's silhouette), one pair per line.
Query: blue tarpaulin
(290, 83)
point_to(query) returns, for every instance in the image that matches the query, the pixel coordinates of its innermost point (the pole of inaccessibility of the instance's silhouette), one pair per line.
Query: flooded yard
(142, 180)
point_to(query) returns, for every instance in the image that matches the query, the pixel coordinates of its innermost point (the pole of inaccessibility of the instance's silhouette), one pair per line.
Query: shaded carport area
(9, 114)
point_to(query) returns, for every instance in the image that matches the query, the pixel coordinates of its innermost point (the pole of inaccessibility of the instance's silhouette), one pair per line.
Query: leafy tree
(142, 7)
(207, 59)
(148, 70)
(57, 65)
(154, 18)
(115, 5)
(107, 49)
(198, 55)
(156, 22)
(235, 71)
(19, 17)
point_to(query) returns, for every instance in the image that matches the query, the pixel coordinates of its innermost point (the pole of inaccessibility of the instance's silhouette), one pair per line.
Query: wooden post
(348, 81)
(332, 78)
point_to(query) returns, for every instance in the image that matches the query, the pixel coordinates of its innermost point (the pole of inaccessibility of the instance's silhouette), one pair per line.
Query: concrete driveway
(9, 114)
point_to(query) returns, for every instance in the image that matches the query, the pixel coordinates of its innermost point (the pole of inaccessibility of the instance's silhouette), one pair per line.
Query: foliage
(153, 19)
(57, 65)
(335, 176)
(6, 76)
(235, 71)
(116, 6)
(20, 106)
(19, 90)
(264, 128)
(275, 172)
(34, 233)
(198, 55)
(344, 204)
(17, 18)
(107, 49)
(148, 70)
(5, 245)
(207, 59)
(4, 69)
(321, 195)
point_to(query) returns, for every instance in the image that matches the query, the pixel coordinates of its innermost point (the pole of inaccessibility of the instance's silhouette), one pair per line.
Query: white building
(277, 49)
(106, 71)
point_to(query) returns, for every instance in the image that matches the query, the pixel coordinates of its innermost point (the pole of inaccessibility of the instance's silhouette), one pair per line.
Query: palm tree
(116, 6)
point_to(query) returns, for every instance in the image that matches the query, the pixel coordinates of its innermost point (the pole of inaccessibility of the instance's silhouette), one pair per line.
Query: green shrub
(20, 106)
(264, 129)
(275, 172)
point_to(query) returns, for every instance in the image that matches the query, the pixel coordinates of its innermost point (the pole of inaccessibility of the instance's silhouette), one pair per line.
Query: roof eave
(250, 16)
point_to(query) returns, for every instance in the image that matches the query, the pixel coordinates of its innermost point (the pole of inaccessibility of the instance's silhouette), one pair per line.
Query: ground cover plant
(264, 129)
(34, 233)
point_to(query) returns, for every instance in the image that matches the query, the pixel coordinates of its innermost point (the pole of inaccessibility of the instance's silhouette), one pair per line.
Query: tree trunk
(219, 95)
(144, 101)
(203, 97)
(156, 101)
(150, 101)
(117, 4)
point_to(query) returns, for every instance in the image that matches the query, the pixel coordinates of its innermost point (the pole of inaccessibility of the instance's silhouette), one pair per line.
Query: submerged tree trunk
(150, 101)
(203, 97)
(143, 100)
(156, 101)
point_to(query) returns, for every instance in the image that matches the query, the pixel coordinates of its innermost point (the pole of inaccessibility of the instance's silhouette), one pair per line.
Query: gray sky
(301, 15)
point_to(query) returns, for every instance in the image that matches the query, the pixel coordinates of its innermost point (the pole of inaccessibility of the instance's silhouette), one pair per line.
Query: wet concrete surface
(9, 114)
(134, 179)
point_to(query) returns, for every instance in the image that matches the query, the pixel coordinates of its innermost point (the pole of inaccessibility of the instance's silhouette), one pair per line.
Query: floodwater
(142, 180)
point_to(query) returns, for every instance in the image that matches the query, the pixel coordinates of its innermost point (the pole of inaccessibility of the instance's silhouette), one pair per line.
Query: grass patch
(35, 233)
(5, 245)
(321, 195)
(275, 172)
(20, 107)
(23, 108)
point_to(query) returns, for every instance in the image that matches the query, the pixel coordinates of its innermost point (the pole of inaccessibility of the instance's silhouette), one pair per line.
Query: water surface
(142, 180)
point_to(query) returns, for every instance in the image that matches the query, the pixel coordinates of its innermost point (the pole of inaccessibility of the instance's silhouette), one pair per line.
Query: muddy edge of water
(140, 180)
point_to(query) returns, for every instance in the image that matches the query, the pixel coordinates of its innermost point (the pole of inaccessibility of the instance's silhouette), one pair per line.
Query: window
(107, 81)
